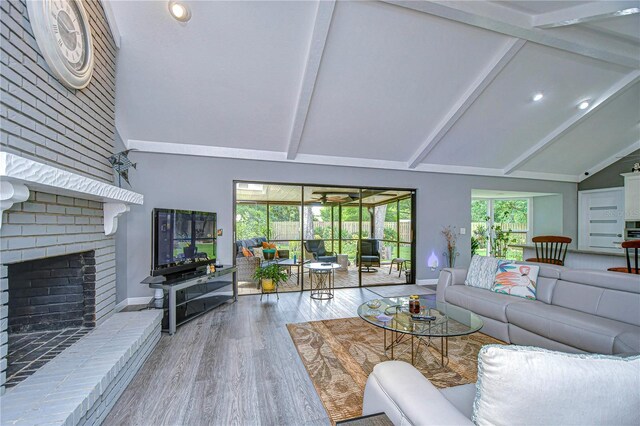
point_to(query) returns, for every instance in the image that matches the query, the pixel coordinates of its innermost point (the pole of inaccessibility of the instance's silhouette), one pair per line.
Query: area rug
(340, 354)
(401, 290)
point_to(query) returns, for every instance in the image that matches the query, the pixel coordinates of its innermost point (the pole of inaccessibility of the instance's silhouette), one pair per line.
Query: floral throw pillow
(516, 280)
(482, 272)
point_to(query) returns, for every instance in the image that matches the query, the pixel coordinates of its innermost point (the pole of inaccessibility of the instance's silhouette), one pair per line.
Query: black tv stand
(189, 295)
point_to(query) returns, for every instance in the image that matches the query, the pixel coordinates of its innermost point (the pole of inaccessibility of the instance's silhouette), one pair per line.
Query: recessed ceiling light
(583, 105)
(179, 11)
(538, 96)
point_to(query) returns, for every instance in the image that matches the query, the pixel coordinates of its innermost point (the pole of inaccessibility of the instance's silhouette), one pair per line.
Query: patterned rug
(340, 354)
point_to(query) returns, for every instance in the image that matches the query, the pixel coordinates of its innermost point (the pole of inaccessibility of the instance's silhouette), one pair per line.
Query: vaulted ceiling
(408, 85)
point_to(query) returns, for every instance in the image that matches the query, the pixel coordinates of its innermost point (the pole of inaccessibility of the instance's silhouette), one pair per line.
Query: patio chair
(315, 250)
(369, 255)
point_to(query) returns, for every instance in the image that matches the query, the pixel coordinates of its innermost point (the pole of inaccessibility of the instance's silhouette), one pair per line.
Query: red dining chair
(635, 245)
(550, 249)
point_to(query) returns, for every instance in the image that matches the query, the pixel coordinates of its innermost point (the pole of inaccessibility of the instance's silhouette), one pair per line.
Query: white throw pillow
(522, 385)
(257, 252)
(482, 272)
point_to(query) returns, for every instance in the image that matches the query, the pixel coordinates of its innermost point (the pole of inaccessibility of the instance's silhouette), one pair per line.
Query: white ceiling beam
(466, 100)
(609, 161)
(324, 14)
(585, 13)
(111, 21)
(607, 32)
(613, 92)
(328, 160)
(454, 11)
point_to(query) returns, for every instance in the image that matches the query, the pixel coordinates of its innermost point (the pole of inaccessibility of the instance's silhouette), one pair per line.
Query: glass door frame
(412, 196)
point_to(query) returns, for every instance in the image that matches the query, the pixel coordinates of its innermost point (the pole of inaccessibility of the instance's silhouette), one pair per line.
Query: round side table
(321, 279)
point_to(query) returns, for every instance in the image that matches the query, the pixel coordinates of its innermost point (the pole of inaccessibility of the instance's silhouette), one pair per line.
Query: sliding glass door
(368, 232)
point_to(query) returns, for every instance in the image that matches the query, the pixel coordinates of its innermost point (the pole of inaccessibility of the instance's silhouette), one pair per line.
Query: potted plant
(270, 276)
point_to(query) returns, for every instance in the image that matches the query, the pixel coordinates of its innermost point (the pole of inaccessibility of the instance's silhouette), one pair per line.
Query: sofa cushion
(482, 272)
(603, 279)
(574, 328)
(483, 302)
(548, 275)
(544, 288)
(627, 342)
(461, 397)
(605, 302)
(525, 385)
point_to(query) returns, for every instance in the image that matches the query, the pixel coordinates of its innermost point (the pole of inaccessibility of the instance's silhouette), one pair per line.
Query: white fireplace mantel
(19, 175)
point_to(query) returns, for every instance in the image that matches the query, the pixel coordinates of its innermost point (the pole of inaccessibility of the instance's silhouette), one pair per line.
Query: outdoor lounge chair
(369, 255)
(314, 250)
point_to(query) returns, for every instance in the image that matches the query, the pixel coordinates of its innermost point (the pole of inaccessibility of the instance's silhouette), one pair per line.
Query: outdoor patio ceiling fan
(335, 197)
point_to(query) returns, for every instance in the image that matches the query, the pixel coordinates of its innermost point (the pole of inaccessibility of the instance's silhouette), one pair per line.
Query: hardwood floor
(342, 279)
(236, 365)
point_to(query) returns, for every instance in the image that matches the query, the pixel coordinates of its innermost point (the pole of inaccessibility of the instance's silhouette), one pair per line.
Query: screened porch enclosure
(342, 220)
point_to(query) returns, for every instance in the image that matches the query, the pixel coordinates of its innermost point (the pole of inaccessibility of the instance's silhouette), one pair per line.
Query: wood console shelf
(192, 295)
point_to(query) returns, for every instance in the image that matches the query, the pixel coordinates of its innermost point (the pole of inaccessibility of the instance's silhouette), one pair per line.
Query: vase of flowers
(450, 234)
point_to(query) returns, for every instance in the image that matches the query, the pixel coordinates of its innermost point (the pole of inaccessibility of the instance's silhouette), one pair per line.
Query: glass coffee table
(393, 317)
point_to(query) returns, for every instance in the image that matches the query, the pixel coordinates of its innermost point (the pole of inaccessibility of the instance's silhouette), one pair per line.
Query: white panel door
(601, 219)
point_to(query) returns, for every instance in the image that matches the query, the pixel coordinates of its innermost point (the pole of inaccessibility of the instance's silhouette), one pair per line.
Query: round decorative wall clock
(62, 31)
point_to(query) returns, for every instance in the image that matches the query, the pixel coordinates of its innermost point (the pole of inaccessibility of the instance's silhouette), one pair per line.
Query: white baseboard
(429, 281)
(133, 301)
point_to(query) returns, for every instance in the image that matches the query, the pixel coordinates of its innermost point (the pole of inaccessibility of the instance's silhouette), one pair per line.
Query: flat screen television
(182, 240)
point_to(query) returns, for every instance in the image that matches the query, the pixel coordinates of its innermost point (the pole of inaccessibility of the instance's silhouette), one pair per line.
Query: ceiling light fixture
(179, 11)
(584, 104)
(538, 96)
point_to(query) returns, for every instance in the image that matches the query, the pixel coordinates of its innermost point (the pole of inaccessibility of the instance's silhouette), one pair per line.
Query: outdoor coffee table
(289, 264)
(321, 277)
(449, 321)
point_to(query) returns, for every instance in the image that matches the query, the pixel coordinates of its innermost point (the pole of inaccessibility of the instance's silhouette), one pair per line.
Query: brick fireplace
(43, 239)
(52, 304)
(59, 215)
(52, 293)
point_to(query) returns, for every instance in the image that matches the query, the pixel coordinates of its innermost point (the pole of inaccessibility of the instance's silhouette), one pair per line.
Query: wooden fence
(291, 230)
(515, 227)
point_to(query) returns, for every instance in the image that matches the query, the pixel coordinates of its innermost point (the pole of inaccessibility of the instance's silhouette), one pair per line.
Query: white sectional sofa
(575, 310)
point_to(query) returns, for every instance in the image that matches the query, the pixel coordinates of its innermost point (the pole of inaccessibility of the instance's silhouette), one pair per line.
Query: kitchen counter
(574, 250)
(584, 259)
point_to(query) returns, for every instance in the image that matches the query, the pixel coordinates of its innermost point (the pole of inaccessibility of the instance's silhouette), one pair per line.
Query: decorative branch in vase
(450, 234)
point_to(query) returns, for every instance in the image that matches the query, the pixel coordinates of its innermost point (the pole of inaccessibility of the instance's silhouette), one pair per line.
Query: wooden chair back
(551, 249)
(635, 245)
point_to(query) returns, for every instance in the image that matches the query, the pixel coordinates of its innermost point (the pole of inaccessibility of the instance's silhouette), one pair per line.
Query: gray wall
(546, 217)
(200, 183)
(609, 177)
